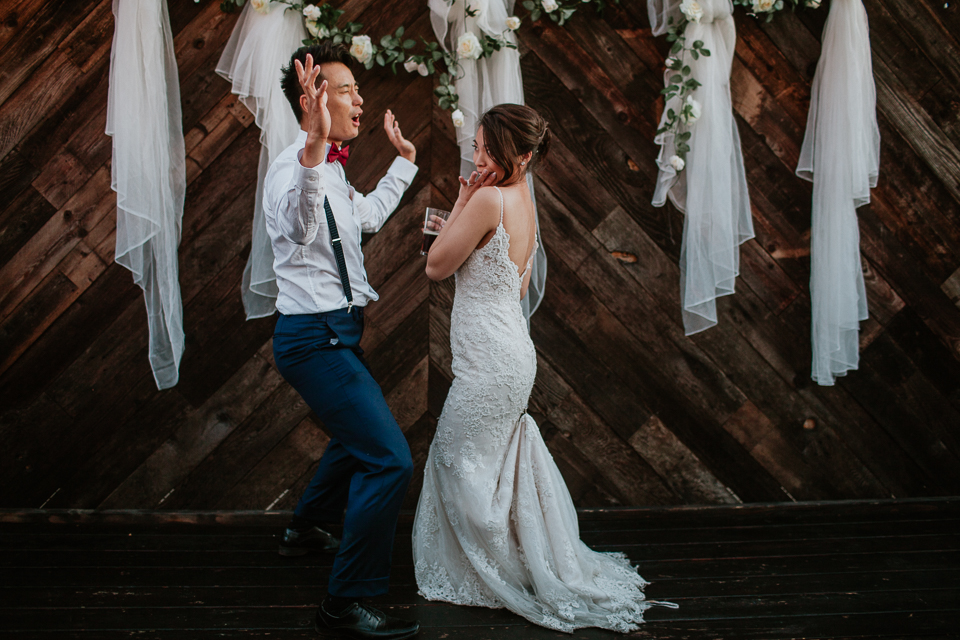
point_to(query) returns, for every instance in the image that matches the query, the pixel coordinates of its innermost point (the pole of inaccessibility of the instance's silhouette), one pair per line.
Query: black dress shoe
(299, 542)
(363, 621)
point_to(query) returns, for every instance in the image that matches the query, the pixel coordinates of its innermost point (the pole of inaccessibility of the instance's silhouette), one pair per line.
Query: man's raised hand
(316, 117)
(404, 147)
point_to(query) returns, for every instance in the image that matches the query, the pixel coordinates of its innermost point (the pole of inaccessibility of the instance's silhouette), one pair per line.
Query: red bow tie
(337, 154)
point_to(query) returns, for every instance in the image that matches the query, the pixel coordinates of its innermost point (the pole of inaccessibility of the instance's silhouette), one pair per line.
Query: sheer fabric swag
(149, 170)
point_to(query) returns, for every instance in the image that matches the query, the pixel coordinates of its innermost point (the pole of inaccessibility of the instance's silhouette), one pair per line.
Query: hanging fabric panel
(711, 190)
(260, 45)
(149, 170)
(841, 156)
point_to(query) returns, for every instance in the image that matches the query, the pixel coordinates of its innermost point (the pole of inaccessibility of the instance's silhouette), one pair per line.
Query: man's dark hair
(322, 53)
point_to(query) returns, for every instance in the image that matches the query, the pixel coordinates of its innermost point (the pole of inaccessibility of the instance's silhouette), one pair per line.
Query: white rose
(457, 117)
(410, 65)
(261, 6)
(313, 27)
(422, 69)
(549, 5)
(763, 6)
(695, 110)
(513, 23)
(692, 10)
(677, 163)
(361, 48)
(813, 4)
(311, 12)
(468, 46)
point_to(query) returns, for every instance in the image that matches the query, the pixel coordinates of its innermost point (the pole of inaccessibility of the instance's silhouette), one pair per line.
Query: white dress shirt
(307, 275)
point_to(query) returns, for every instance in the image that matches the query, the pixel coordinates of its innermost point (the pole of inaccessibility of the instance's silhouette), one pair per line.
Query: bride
(495, 525)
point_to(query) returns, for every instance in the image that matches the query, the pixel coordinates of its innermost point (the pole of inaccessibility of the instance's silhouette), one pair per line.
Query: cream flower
(362, 49)
(813, 4)
(677, 163)
(261, 6)
(410, 65)
(422, 69)
(316, 30)
(513, 23)
(763, 6)
(457, 117)
(692, 10)
(695, 110)
(549, 5)
(468, 46)
(311, 12)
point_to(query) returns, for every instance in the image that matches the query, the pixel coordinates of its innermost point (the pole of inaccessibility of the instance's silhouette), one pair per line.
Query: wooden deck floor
(810, 570)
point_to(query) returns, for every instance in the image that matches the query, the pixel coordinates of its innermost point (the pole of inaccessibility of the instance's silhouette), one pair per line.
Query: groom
(314, 218)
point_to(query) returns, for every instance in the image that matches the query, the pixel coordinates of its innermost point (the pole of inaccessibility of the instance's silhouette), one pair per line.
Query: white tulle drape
(483, 84)
(841, 156)
(149, 170)
(712, 189)
(259, 47)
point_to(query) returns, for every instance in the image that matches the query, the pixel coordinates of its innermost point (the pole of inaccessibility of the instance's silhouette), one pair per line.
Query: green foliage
(393, 49)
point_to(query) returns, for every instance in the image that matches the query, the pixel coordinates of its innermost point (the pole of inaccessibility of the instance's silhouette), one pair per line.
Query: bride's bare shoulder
(485, 204)
(487, 197)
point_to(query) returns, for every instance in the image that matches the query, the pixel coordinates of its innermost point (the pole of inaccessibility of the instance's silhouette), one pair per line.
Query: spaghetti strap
(501, 204)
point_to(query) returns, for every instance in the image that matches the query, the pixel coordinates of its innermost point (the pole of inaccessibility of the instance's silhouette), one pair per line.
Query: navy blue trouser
(367, 465)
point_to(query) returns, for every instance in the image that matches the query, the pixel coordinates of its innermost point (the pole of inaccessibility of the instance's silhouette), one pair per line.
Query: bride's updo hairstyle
(512, 130)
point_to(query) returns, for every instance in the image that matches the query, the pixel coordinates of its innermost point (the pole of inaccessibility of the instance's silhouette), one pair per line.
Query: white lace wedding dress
(495, 526)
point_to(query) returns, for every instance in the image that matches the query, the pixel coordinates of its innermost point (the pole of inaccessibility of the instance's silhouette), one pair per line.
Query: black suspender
(338, 252)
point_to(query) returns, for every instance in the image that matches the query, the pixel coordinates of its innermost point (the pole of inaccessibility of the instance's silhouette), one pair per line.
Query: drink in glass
(432, 223)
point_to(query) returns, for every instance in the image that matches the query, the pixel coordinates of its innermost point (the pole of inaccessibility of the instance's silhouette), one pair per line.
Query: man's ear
(303, 103)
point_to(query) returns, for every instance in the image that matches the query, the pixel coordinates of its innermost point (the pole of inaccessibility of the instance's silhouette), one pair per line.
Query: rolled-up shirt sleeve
(299, 211)
(374, 208)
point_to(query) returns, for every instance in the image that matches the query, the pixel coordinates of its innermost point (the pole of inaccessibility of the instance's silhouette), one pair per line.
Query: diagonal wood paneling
(634, 412)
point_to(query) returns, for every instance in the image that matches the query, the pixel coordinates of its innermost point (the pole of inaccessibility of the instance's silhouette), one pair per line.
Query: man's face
(343, 101)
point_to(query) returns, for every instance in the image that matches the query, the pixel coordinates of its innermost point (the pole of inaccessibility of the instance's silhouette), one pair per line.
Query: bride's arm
(468, 224)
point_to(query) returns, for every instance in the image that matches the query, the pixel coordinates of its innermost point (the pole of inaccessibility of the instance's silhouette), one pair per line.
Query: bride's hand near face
(471, 186)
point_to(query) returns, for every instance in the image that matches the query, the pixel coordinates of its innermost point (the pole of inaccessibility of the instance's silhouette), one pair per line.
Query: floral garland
(392, 49)
(682, 84)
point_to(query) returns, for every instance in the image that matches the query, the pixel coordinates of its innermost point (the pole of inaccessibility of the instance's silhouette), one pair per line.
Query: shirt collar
(302, 140)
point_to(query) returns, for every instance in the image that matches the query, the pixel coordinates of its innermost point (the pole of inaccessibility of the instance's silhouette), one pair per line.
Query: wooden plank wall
(634, 412)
